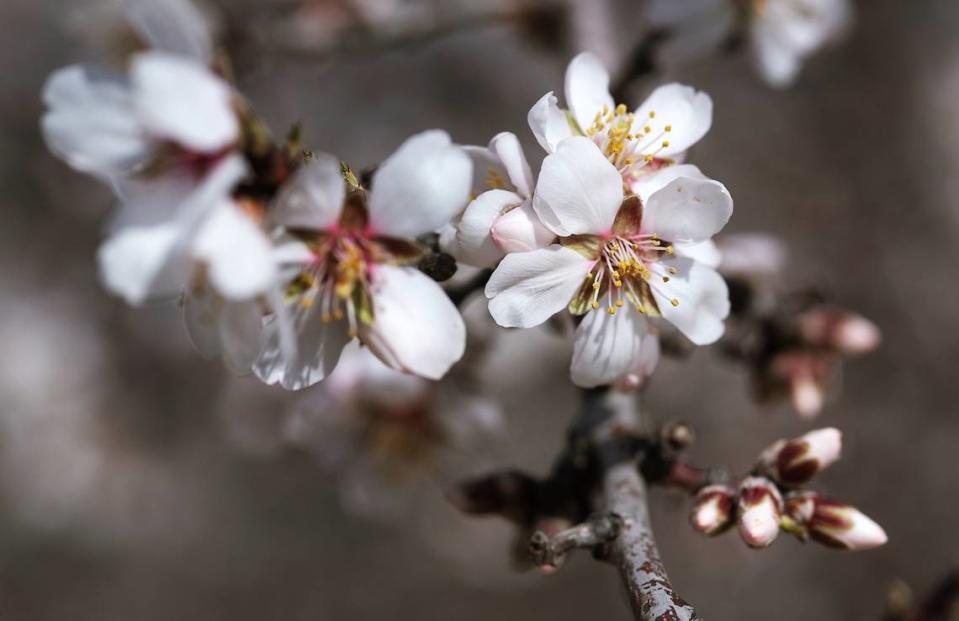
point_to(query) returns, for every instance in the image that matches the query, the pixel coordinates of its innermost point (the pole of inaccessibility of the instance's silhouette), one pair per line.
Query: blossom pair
(615, 230)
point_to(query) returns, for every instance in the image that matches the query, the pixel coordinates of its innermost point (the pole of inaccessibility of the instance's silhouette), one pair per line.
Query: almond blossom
(616, 251)
(657, 134)
(501, 218)
(351, 273)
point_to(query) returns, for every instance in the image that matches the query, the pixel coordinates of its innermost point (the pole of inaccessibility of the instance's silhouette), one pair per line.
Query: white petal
(520, 230)
(474, 237)
(416, 328)
(777, 62)
(179, 100)
(747, 254)
(578, 191)
(528, 288)
(139, 263)
(548, 122)
(232, 330)
(509, 151)
(706, 252)
(688, 210)
(646, 185)
(421, 187)
(701, 295)
(91, 123)
(607, 346)
(587, 89)
(174, 26)
(237, 253)
(317, 351)
(688, 112)
(488, 170)
(313, 198)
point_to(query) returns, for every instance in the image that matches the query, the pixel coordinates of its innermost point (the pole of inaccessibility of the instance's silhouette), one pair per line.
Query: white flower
(657, 134)
(501, 218)
(786, 32)
(616, 250)
(353, 279)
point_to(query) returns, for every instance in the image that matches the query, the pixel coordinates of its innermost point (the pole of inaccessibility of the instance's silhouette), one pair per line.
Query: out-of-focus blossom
(833, 523)
(783, 34)
(615, 250)
(349, 266)
(501, 218)
(657, 134)
(714, 509)
(792, 463)
(760, 506)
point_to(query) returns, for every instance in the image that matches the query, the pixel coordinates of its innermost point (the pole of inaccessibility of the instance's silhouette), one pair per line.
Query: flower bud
(794, 462)
(713, 509)
(520, 230)
(805, 375)
(839, 330)
(760, 508)
(833, 523)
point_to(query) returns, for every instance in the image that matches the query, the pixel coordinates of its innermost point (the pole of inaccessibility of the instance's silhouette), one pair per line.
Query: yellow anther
(665, 143)
(648, 129)
(652, 114)
(672, 270)
(325, 318)
(611, 310)
(648, 158)
(665, 278)
(620, 109)
(615, 275)
(306, 302)
(595, 305)
(617, 283)
(668, 128)
(674, 302)
(337, 314)
(619, 303)
(669, 249)
(595, 285)
(640, 309)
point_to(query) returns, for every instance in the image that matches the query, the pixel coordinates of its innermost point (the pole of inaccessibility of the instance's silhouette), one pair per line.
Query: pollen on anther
(665, 143)
(595, 285)
(611, 310)
(595, 305)
(674, 302)
(619, 303)
(325, 318)
(652, 114)
(668, 128)
(665, 278)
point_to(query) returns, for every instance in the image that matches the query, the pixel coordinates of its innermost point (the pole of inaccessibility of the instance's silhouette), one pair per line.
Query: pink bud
(857, 335)
(794, 462)
(760, 509)
(805, 374)
(713, 509)
(520, 230)
(807, 395)
(835, 524)
(839, 330)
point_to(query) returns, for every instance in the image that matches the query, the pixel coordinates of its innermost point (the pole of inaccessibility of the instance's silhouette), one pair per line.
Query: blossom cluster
(772, 499)
(281, 257)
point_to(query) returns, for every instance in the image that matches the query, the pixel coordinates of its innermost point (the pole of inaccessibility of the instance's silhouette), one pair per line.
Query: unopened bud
(760, 508)
(805, 375)
(839, 330)
(833, 523)
(520, 230)
(794, 462)
(713, 509)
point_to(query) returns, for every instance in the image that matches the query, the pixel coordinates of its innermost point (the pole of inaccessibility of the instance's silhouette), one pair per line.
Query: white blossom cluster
(615, 228)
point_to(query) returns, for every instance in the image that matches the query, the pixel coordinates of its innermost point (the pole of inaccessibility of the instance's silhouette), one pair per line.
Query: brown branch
(547, 551)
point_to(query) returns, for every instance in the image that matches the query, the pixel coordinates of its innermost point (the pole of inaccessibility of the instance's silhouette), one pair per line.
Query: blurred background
(139, 481)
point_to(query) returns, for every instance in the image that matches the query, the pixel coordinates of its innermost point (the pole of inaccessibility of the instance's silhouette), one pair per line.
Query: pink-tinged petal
(578, 191)
(313, 198)
(237, 253)
(548, 123)
(416, 328)
(91, 124)
(695, 300)
(179, 100)
(687, 112)
(143, 263)
(644, 366)
(474, 236)
(174, 26)
(587, 89)
(519, 230)
(421, 187)
(528, 288)
(706, 252)
(509, 151)
(317, 349)
(607, 346)
(751, 254)
(688, 210)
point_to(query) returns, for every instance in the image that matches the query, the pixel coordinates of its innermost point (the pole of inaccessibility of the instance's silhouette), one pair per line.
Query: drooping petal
(91, 123)
(474, 236)
(688, 210)
(237, 253)
(509, 151)
(313, 198)
(587, 89)
(687, 112)
(578, 191)
(219, 328)
(174, 26)
(181, 101)
(695, 300)
(421, 187)
(607, 346)
(416, 328)
(141, 263)
(548, 122)
(520, 230)
(528, 288)
(317, 350)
